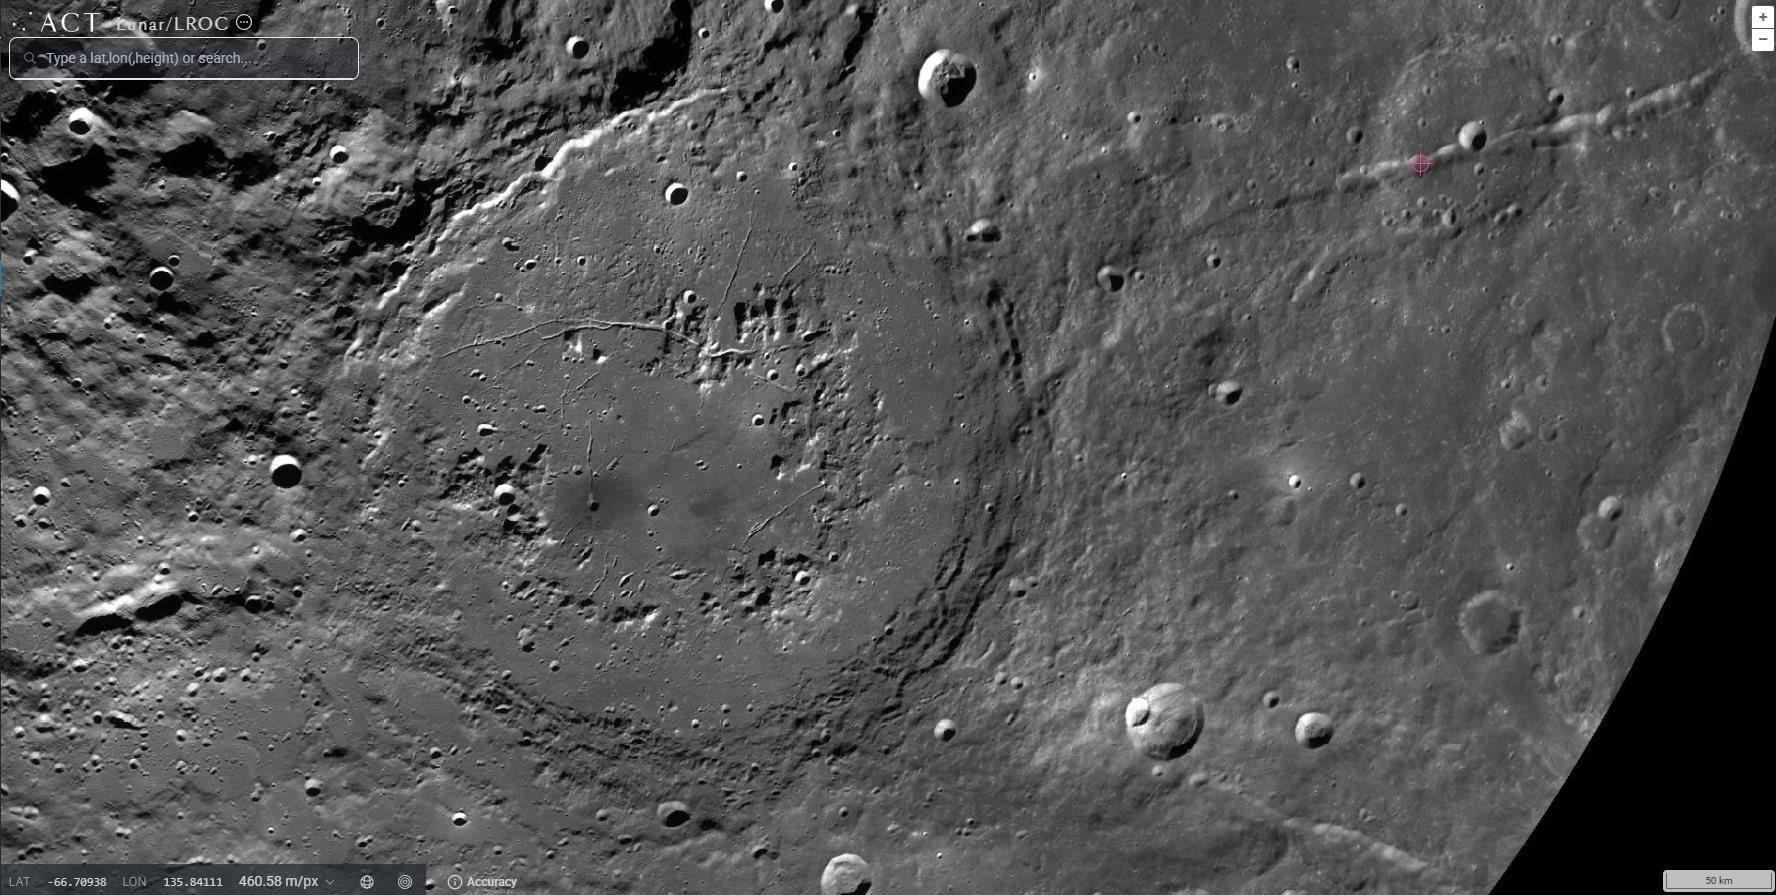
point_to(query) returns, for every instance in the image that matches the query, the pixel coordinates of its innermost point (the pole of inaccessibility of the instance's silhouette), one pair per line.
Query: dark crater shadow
(659, 63)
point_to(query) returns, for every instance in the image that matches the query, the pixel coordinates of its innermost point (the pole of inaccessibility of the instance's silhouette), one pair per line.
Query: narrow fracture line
(623, 324)
(798, 263)
(737, 256)
(780, 511)
(495, 340)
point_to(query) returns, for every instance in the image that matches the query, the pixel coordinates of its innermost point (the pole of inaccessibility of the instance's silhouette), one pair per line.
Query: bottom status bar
(211, 879)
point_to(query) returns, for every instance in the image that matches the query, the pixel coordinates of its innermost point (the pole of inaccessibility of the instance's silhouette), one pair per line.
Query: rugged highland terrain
(669, 447)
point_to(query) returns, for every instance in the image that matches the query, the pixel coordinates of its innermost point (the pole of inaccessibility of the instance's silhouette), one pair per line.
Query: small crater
(947, 77)
(1163, 722)
(1610, 508)
(1472, 136)
(1685, 328)
(846, 874)
(673, 814)
(81, 122)
(983, 230)
(1313, 730)
(1491, 622)
(285, 471)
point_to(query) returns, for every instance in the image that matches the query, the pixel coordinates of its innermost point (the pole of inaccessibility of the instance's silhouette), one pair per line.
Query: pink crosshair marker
(1419, 163)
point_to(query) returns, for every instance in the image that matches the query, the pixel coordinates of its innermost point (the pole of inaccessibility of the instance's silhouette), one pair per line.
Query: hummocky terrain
(788, 445)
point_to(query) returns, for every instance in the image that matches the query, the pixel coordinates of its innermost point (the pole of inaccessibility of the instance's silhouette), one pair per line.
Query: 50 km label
(1720, 881)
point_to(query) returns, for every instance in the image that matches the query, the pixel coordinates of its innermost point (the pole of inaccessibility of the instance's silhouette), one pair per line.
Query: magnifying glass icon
(30, 58)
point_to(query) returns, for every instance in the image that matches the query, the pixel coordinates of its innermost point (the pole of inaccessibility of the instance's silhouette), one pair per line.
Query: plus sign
(1763, 17)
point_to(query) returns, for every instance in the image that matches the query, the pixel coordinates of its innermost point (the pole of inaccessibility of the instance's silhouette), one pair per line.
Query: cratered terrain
(837, 445)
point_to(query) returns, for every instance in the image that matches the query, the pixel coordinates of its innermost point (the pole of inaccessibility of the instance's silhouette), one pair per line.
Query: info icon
(404, 882)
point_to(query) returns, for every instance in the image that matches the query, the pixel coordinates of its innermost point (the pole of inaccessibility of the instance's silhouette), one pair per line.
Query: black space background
(1679, 775)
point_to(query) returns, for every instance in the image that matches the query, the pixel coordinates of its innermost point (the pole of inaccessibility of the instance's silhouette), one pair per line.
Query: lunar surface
(829, 446)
